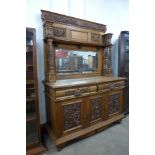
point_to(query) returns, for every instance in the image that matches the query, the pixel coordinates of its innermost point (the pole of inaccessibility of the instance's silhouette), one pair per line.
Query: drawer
(116, 85)
(76, 91)
(111, 86)
(104, 86)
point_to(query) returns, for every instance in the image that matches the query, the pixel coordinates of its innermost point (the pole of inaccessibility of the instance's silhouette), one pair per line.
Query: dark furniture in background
(123, 65)
(33, 133)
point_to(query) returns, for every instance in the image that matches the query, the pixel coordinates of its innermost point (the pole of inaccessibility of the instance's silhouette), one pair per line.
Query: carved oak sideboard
(82, 97)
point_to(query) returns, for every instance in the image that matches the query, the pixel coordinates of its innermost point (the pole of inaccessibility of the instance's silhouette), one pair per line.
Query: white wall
(113, 13)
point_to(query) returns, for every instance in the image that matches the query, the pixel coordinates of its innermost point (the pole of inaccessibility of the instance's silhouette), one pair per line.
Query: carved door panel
(71, 116)
(115, 103)
(97, 108)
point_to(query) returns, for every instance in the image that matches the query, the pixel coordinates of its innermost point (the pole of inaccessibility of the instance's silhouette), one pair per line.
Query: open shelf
(29, 50)
(28, 99)
(33, 133)
(29, 65)
(29, 81)
(31, 116)
(32, 136)
(32, 88)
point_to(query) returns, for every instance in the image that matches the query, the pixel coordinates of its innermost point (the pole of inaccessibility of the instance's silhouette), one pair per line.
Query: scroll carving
(80, 91)
(72, 115)
(113, 104)
(96, 107)
(95, 37)
(55, 32)
(59, 32)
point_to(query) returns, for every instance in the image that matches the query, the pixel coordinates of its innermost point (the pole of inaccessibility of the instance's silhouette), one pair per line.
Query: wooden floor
(111, 141)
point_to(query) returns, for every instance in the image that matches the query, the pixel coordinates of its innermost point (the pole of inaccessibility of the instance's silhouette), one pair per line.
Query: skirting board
(64, 139)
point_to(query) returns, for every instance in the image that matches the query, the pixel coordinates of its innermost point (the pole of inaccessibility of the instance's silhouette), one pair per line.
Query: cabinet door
(71, 118)
(115, 103)
(97, 108)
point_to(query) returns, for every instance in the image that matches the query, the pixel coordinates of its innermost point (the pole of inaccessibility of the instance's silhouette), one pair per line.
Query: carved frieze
(59, 18)
(95, 37)
(72, 115)
(59, 32)
(114, 103)
(96, 107)
(55, 32)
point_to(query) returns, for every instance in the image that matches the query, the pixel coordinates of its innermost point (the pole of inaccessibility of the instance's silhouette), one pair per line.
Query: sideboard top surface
(82, 81)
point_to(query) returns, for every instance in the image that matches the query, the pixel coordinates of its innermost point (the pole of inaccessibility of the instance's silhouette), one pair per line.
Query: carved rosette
(95, 37)
(72, 115)
(96, 107)
(114, 103)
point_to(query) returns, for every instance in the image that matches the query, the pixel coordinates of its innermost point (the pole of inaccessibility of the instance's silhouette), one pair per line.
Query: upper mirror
(73, 61)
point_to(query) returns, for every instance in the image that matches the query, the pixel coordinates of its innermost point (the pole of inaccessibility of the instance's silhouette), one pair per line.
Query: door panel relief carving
(72, 115)
(114, 103)
(96, 107)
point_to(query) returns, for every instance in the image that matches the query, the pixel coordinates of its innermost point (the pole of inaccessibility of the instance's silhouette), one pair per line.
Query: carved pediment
(59, 18)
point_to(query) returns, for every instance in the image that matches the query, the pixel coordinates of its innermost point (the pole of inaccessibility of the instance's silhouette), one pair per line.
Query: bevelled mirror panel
(72, 61)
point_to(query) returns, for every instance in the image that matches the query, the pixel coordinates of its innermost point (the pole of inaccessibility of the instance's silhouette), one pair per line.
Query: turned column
(107, 62)
(51, 74)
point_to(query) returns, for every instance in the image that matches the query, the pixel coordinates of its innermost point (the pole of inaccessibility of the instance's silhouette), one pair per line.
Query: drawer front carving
(114, 102)
(103, 87)
(111, 86)
(76, 35)
(62, 93)
(96, 108)
(76, 91)
(117, 84)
